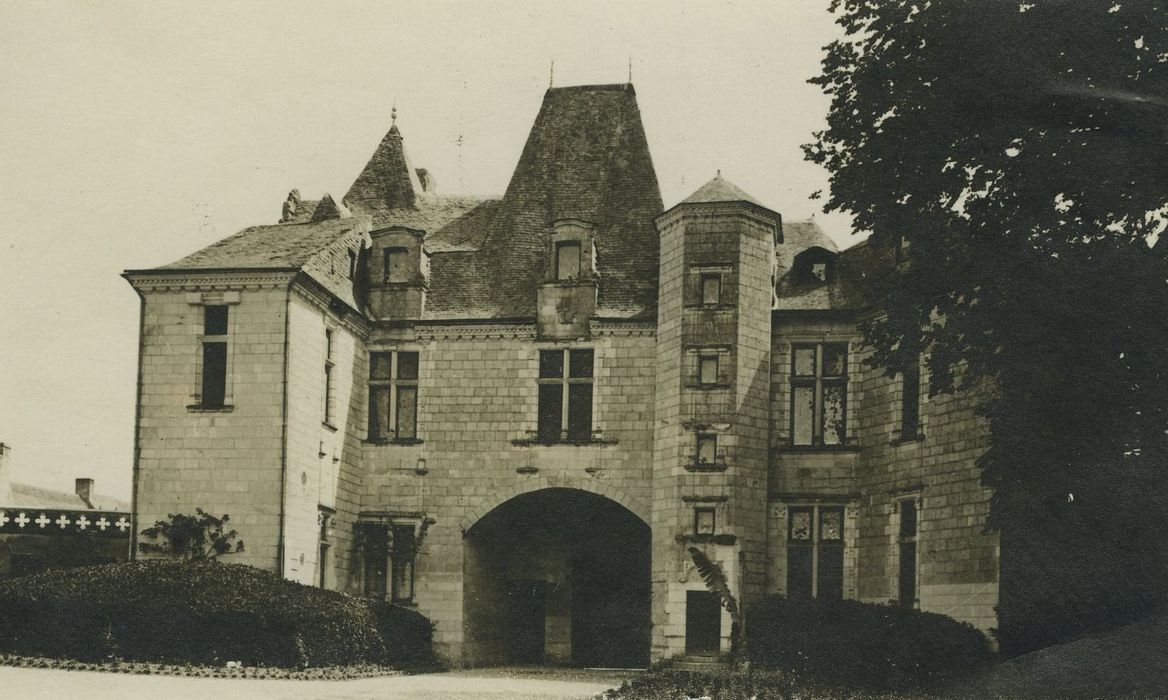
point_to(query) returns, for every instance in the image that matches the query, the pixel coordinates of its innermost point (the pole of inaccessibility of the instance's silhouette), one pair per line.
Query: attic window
(567, 260)
(815, 266)
(397, 265)
(352, 263)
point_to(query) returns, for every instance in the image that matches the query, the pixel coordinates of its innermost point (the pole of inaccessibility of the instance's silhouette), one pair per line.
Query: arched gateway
(557, 575)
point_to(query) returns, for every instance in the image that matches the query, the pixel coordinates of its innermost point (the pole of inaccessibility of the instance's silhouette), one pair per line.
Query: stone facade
(517, 414)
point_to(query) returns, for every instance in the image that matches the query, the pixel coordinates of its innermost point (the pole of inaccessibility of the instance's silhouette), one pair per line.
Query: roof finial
(719, 172)
(630, 69)
(393, 113)
(552, 75)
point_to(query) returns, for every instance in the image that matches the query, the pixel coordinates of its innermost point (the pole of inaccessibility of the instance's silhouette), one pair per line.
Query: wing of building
(517, 414)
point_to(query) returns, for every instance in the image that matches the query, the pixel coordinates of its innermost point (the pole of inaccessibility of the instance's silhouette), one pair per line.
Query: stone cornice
(476, 331)
(325, 302)
(609, 327)
(208, 280)
(745, 210)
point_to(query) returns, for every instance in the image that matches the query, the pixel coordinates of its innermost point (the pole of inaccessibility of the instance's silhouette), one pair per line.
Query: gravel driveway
(522, 684)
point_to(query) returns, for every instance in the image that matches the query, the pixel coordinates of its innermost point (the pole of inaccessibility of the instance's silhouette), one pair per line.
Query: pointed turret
(388, 181)
(719, 190)
(329, 209)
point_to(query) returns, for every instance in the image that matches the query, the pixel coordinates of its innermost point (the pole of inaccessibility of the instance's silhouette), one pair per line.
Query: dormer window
(567, 260)
(570, 251)
(397, 265)
(814, 266)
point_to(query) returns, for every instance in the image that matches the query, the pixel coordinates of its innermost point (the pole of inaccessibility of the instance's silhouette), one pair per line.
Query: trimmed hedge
(202, 612)
(861, 645)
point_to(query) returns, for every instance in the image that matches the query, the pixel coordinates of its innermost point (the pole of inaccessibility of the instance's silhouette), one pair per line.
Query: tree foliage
(716, 582)
(1019, 153)
(192, 537)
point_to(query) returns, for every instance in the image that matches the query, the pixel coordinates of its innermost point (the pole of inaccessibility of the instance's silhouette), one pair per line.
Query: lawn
(1130, 661)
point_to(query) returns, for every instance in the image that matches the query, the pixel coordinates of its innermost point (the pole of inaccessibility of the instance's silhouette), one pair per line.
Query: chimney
(5, 487)
(84, 489)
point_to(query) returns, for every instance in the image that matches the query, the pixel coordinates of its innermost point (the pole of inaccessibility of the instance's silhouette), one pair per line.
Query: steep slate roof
(586, 158)
(719, 190)
(430, 212)
(318, 248)
(388, 181)
(846, 291)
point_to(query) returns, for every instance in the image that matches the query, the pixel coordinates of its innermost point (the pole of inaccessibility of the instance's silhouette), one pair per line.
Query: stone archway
(557, 576)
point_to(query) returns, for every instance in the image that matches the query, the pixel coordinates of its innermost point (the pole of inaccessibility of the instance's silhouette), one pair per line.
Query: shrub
(202, 612)
(851, 644)
(198, 536)
(725, 685)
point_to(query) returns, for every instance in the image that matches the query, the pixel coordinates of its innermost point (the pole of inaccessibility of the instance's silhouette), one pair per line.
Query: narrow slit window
(704, 521)
(707, 448)
(327, 398)
(907, 565)
(910, 400)
(711, 288)
(376, 555)
(402, 564)
(708, 369)
(213, 390)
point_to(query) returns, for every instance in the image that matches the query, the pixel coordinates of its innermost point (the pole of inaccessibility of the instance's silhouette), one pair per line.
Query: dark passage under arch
(557, 576)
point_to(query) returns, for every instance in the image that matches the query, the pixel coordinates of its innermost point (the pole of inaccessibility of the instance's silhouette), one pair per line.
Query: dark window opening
(214, 320)
(708, 369)
(819, 385)
(214, 393)
(393, 396)
(324, 518)
(376, 550)
(402, 567)
(907, 568)
(711, 288)
(704, 521)
(396, 263)
(352, 264)
(568, 260)
(910, 400)
(565, 398)
(327, 398)
(815, 552)
(707, 448)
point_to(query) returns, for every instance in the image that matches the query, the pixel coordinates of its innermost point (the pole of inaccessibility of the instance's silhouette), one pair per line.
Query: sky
(132, 134)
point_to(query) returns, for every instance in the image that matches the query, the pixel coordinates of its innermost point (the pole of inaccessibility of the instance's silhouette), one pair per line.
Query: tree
(191, 537)
(1017, 154)
(715, 580)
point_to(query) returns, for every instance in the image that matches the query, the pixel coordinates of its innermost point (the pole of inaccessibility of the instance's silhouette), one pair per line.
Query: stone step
(700, 664)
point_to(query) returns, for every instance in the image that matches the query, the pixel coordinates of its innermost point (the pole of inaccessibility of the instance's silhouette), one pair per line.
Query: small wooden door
(703, 622)
(526, 615)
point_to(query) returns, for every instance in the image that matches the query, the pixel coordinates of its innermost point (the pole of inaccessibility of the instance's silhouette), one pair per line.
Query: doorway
(703, 623)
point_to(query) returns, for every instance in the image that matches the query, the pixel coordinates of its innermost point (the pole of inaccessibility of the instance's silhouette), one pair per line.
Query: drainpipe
(133, 554)
(280, 542)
